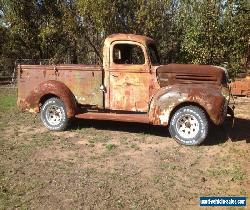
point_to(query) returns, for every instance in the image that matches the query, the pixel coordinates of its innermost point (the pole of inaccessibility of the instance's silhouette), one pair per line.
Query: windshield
(155, 60)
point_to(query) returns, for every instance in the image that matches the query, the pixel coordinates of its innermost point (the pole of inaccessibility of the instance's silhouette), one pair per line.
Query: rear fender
(168, 99)
(51, 87)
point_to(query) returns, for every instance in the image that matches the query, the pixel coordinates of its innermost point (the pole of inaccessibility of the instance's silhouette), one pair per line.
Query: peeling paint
(153, 92)
(164, 117)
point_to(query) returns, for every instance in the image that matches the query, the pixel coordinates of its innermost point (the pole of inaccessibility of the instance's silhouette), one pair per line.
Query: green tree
(215, 32)
(200, 31)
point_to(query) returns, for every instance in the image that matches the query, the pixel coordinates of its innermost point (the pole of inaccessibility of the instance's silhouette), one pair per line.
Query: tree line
(72, 31)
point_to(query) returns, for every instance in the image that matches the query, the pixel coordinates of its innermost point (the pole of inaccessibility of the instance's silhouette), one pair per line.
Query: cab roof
(129, 37)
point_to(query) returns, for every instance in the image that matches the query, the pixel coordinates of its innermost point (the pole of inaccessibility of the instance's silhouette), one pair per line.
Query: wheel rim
(187, 126)
(54, 115)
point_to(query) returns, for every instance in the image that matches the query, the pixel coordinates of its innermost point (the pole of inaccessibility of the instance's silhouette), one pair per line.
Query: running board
(139, 118)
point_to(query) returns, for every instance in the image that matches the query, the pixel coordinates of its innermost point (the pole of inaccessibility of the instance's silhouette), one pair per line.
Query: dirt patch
(112, 165)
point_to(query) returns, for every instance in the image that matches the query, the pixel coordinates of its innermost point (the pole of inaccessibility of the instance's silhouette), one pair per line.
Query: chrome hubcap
(54, 115)
(187, 126)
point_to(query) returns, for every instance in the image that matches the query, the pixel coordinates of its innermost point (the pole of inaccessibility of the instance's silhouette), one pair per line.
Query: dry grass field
(115, 165)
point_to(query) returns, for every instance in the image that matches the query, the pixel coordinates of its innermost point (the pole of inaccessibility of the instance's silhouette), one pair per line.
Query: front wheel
(53, 114)
(189, 125)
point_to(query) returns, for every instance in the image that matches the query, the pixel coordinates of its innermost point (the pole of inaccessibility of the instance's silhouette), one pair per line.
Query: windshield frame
(154, 58)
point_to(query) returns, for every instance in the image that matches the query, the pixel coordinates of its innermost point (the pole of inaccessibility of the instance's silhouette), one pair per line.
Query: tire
(189, 126)
(53, 115)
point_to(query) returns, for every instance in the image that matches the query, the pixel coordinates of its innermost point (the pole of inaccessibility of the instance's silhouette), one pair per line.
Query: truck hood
(190, 74)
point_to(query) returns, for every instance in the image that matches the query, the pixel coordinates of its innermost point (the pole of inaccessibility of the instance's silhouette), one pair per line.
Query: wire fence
(11, 79)
(5, 80)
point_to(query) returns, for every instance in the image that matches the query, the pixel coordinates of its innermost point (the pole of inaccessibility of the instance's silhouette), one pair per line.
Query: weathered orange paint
(125, 92)
(187, 74)
(49, 88)
(203, 95)
(125, 117)
(241, 87)
(83, 81)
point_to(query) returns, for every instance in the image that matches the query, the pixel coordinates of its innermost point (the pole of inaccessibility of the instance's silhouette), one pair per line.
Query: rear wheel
(189, 125)
(53, 114)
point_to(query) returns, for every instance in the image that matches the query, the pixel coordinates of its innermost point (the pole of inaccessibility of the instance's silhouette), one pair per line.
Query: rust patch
(190, 74)
(128, 37)
(72, 83)
(128, 83)
(168, 98)
(126, 86)
(123, 117)
(51, 87)
(241, 87)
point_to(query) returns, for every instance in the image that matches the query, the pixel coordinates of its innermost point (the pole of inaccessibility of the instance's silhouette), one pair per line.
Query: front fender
(51, 87)
(167, 99)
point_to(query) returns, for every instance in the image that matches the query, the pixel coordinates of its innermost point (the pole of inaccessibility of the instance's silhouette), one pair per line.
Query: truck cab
(131, 85)
(129, 72)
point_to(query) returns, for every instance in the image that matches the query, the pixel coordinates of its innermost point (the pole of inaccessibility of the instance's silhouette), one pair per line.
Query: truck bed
(83, 80)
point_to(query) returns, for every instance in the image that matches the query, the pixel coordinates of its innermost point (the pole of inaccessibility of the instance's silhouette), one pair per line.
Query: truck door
(129, 76)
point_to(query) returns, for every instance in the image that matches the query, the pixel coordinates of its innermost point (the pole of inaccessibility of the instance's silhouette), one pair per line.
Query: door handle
(114, 75)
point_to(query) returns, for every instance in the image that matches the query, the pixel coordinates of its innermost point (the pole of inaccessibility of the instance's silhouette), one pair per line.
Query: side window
(128, 54)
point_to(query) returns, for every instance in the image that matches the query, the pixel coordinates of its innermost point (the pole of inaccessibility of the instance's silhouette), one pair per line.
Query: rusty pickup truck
(131, 85)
